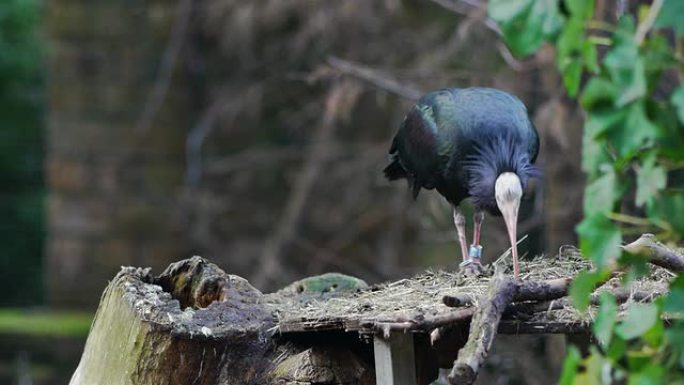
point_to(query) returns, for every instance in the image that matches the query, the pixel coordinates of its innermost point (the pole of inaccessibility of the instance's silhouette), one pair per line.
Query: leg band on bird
(475, 252)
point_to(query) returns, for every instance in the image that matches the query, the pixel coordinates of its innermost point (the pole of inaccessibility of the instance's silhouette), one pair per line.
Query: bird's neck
(491, 159)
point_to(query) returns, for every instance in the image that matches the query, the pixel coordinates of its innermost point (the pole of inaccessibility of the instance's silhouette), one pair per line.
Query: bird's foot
(472, 265)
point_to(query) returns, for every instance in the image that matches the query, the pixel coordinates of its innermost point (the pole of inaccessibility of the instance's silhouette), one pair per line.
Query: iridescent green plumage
(459, 140)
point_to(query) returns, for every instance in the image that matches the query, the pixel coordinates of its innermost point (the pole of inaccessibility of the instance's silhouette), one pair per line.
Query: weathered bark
(483, 331)
(526, 291)
(657, 253)
(195, 324)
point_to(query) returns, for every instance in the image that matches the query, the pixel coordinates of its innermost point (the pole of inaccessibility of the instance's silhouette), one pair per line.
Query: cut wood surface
(195, 324)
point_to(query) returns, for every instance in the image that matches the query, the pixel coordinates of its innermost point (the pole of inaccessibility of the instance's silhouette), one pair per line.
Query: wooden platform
(399, 315)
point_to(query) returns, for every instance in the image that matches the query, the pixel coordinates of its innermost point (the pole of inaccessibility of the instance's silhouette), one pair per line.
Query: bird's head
(498, 169)
(508, 191)
(499, 172)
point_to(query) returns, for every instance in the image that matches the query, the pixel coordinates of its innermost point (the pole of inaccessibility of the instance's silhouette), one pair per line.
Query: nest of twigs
(421, 297)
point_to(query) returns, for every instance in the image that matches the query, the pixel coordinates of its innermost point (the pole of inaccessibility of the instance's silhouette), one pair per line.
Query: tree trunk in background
(560, 123)
(195, 324)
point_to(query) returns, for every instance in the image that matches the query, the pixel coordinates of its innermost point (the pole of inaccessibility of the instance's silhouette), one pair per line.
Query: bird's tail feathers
(415, 188)
(394, 170)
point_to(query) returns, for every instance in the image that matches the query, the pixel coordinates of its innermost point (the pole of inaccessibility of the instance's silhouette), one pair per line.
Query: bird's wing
(416, 148)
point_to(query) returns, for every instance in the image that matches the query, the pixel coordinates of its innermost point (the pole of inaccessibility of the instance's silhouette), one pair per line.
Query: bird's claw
(472, 267)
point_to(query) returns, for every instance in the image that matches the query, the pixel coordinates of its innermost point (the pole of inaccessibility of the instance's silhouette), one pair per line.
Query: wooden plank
(515, 327)
(395, 362)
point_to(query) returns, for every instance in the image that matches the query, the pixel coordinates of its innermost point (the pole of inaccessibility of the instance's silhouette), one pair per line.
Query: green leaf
(572, 75)
(640, 318)
(600, 238)
(573, 358)
(598, 90)
(602, 120)
(674, 302)
(675, 338)
(605, 319)
(638, 267)
(671, 15)
(637, 360)
(624, 64)
(594, 365)
(583, 9)
(663, 209)
(654, 335)
(525, 24)
(582, 287)
(601, 195)
(636, 132)
(658, 56)
(651, 178)
(651, 374)
(590, 56)
(568, 54)
(677, 100)
(594, 152)
(617, 348)
(634, 86)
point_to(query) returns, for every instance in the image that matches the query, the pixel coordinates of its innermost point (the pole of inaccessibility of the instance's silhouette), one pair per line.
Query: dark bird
(476, 143)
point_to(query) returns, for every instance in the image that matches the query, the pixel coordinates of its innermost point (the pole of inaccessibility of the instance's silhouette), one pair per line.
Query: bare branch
(647, 23)
(156, 97)
(374, 77)
(657, 253)
(483, 331)
(194, 142)
(471, 11)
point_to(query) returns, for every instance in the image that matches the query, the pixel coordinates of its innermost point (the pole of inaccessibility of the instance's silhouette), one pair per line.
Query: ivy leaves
(632, 154)
(671, 16)
(526, 23)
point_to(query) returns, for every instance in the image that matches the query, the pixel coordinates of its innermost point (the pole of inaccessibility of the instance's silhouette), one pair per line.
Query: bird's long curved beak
(508, 191)
(510, 214)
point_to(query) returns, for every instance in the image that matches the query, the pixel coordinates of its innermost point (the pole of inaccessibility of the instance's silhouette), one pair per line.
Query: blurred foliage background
(22, 111)
(254, 133)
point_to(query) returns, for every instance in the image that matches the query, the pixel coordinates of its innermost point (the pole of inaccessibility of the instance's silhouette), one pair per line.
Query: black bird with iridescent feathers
(476, 143)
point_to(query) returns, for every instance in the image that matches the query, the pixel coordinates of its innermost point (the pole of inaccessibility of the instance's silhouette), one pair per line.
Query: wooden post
(395, 362)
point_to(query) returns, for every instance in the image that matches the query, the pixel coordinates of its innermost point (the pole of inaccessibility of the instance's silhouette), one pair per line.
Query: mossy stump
(195, 324)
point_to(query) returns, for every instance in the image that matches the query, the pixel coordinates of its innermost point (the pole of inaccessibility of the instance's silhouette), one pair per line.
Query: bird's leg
(475, 252)
(460, 222)
(467, 265)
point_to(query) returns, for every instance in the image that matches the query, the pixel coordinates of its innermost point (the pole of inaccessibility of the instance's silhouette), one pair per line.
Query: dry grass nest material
(420, 297)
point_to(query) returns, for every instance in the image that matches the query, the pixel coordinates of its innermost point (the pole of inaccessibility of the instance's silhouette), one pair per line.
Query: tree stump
(195, 324)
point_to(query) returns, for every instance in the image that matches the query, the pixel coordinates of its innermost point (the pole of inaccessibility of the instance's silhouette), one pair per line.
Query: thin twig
(194, 142)
(506, 54)
(156, 97)
(647, 24)
(374, 77)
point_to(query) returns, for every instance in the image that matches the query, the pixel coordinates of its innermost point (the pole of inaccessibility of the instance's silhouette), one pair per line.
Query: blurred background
(253, 133)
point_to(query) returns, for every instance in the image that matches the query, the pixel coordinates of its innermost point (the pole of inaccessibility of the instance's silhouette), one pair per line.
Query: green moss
(326, 283)
(19, 321)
